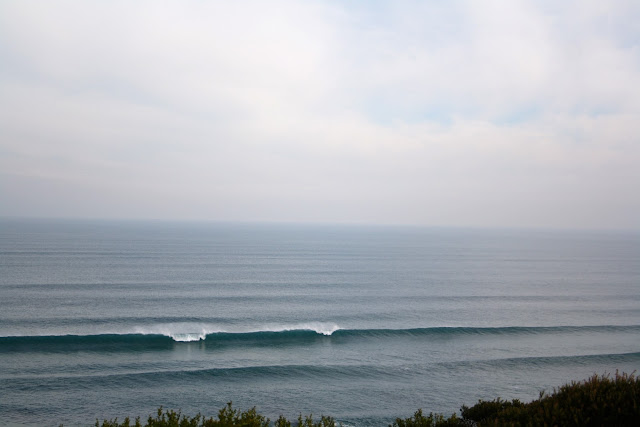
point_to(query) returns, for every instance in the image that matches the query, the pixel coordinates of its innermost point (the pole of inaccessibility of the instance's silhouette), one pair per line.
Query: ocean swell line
(299, 332)
(359, 371)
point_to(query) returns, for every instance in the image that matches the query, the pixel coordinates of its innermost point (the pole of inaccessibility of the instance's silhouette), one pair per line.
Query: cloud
(500, 113)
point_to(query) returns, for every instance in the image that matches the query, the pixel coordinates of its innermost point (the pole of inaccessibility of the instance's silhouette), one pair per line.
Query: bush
(433, 420)
(227, 417)
(598, 401)
(487, 410)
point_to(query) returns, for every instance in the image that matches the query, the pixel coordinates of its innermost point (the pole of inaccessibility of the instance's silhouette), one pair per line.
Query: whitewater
(100, 319)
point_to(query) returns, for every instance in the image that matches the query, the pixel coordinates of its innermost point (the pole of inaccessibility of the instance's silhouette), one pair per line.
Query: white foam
(318, 327)
(190, 332)
(188, 337)
(182, 332)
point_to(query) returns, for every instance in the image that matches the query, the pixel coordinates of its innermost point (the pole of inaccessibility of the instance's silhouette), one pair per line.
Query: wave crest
(317, 327)
(189, 332)
(161, 334)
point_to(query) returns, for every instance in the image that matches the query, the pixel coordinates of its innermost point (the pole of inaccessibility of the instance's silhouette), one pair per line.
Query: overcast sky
(464, 113)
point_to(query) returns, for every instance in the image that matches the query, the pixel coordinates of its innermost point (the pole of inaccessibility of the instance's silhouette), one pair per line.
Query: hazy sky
(468, 113)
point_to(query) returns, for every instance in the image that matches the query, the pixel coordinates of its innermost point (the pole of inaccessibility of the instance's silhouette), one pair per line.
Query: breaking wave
(189, 333)
(162, 334)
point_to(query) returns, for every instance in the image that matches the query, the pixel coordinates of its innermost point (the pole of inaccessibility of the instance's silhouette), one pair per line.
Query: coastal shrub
(484, 410)
(227, 417)
(598, 401)
(432, 420)
(306, 422)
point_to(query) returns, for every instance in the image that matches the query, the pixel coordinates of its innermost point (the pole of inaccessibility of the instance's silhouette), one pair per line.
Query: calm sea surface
(106, 319)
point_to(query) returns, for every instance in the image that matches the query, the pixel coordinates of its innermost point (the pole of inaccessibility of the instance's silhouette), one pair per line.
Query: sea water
(100, 319)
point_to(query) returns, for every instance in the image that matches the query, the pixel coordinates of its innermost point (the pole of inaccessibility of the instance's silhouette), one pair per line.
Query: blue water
(101, 319)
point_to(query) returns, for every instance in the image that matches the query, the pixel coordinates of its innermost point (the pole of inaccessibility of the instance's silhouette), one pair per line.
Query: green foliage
(484, 410)
(114, 423)
(227, 417)
(308, 421)
(598, 401)
(282, 422)
(433, 420)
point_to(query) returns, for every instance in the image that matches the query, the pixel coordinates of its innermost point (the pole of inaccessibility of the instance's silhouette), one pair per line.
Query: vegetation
(227, 417)
(598, 401)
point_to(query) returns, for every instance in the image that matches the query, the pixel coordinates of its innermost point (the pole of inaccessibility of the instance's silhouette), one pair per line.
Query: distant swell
(545, 361)
(162, 336)
(334, 372)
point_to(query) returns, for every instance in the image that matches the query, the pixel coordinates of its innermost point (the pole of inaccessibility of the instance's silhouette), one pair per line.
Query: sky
(438, 113)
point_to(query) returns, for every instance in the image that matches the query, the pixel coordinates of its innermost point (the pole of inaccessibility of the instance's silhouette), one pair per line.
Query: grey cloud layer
(462, 113)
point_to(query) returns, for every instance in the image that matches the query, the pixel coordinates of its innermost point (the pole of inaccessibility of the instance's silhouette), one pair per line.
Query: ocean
(105, 319)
